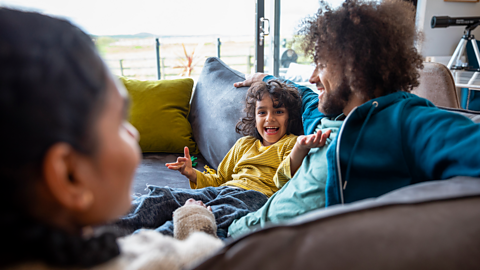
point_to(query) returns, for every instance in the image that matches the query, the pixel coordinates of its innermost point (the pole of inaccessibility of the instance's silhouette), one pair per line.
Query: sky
(166, 17)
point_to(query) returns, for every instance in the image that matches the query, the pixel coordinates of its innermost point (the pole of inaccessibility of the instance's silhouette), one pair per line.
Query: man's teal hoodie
(391, 142)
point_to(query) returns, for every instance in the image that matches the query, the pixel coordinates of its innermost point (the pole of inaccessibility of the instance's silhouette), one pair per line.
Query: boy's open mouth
(271, 130)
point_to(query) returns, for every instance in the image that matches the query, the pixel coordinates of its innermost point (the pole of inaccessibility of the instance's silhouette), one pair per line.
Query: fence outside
(146, 68)
(157, 60)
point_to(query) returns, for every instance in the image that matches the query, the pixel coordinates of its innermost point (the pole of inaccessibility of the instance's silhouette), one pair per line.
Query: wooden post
(157, 50)
(218, 47)
(121, 67)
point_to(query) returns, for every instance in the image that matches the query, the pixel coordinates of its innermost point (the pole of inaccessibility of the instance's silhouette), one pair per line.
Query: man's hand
(250, 79)
(184, 166)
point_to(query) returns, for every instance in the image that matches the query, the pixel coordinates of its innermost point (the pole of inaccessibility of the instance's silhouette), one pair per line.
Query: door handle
(264, 31)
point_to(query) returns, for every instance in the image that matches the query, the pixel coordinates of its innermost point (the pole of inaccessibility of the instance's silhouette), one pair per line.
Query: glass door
(283, 56)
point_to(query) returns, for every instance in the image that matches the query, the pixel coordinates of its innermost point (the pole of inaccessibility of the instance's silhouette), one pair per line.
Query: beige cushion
(437, 85)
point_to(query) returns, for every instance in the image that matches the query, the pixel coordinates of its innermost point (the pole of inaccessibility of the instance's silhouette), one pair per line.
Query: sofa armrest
(431, 225)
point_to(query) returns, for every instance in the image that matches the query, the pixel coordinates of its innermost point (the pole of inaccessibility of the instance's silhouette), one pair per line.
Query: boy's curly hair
(369, 44)
(282, 94)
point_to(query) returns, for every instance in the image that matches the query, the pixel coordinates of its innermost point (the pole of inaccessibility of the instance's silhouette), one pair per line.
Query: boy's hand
(303, 145)
(250, 79)
(313, 141)
(184, 166)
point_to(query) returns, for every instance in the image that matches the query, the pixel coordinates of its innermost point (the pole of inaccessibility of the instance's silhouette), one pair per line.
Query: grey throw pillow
(216, 108)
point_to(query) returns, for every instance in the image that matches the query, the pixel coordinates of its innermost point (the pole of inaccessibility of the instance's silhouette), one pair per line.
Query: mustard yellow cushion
(159, 111)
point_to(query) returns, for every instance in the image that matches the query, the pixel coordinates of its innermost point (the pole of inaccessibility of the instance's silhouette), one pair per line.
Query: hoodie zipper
(342, 188)
(339, 171)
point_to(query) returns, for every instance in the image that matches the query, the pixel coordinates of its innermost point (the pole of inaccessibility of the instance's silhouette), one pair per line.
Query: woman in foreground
(68, 158)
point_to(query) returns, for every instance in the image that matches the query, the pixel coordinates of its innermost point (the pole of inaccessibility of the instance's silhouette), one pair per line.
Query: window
(167, 39)
(188, 32)
(282, 45)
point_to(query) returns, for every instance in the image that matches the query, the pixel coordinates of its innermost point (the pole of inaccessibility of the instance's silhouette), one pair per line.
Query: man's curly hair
(369, 44)
(282, 95)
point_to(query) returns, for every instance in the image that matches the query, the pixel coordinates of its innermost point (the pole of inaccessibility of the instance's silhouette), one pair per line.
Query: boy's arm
(303, 146)
(184, 166)
(283, 175)
(224, 171)
(207, 180)
(294, 160)
(284, 172)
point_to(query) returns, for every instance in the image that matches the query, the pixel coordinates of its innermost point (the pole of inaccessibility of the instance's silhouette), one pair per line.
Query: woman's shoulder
(149, 249)
(159, 251)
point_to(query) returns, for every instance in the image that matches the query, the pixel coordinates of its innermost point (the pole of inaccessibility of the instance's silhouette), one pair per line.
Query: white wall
(443, 41)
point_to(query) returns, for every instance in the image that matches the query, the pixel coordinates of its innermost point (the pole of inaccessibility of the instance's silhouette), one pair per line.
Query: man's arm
(250, 79)
(441, 144)
(307, 94)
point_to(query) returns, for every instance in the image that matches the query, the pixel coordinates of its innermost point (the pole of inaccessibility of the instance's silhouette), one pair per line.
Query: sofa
(431, 225)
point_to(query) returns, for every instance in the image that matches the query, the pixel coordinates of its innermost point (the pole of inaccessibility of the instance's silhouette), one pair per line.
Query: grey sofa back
(216, 108)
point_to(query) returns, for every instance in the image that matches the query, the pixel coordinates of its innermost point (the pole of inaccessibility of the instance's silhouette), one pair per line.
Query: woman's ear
(59, 174)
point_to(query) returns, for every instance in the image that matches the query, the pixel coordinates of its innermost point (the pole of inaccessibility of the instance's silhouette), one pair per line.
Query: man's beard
(333, 102)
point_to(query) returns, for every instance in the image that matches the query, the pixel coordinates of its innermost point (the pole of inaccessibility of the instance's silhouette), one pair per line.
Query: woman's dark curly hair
(282, 95)
(53, 85)
(371, 44)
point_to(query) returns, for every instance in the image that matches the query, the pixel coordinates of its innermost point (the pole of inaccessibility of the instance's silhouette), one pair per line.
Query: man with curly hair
(385, 137)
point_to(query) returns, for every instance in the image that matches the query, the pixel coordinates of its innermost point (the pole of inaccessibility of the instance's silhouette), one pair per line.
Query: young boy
(245, 178)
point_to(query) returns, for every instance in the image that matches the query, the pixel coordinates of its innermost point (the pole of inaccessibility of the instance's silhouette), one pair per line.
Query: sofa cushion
(152, 171)
(216, 108)
(159, 111)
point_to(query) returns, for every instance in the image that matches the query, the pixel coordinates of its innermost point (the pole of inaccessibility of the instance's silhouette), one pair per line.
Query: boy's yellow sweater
(251, 166)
